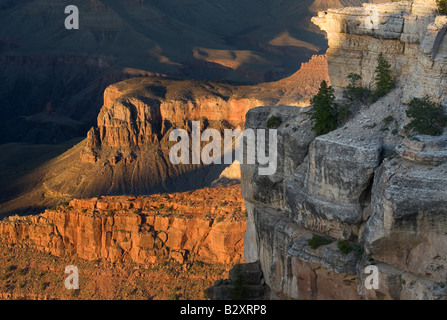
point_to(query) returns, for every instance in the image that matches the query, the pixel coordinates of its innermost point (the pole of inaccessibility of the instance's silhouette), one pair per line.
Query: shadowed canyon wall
(127, 152)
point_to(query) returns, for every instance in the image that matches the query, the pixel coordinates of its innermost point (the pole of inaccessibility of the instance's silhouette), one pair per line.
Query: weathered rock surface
(368, 194)
(327, 191)
(185, 227)
(407, 228)
(245, 282)
(374, 206)
(294, 136)
(410, 34)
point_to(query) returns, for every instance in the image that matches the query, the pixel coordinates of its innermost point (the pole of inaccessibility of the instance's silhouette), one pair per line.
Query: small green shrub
(388, 119)
(344, 246)
(273, 122)
(354, 92)
(343, 114)
(317, 241)
(427, 117)
(442, 6)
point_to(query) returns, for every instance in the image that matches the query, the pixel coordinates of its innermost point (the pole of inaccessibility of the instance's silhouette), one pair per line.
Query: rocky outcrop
(368, 195)
(410, 34)
(349, 202)
(205, 225)
(133, 117)
(312, 194)
(407, 225)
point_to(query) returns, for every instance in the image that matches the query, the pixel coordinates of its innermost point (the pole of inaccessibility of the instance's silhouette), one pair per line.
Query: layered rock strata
(368, 195)
(185, 227)
(348, 202)
(410, 34)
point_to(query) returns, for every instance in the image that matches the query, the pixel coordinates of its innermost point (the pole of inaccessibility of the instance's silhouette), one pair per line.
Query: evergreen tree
(384, 80)
(323, 102)
(442, 6)
(427, 117)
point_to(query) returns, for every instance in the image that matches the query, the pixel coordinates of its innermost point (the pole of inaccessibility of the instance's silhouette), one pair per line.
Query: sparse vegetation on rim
(383, 77)
(273, 122)
(442, 6)
(317, 241)
(427, 117)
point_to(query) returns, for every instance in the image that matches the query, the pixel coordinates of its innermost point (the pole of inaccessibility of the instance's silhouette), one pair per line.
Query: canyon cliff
(205, 225)
(127, 152)
(64, 72)
(368, 193)
(156, 247)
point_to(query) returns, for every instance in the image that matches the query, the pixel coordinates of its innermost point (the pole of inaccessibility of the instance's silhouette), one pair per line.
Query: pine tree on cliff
(323, 102)
(442, 6)
(384, 80)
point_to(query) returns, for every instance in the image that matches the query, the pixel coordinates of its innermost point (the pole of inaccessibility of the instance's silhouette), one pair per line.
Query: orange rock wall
(142, 229)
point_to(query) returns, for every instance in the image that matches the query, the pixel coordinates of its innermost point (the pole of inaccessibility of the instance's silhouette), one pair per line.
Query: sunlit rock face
(410, 34)
(145, 230)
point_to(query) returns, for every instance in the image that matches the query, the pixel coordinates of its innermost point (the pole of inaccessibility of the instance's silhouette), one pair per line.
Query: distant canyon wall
(127, 151)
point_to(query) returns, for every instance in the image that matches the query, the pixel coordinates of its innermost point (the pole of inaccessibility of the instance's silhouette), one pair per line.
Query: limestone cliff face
(367, 193)
(358, 188)
(409, 33)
